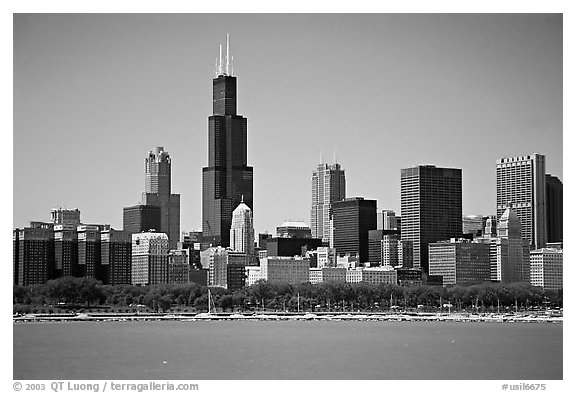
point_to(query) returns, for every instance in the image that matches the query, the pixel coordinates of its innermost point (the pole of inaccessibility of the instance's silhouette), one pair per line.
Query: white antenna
(232, 66)
(227, 54)
(216, 68)
(220, 63)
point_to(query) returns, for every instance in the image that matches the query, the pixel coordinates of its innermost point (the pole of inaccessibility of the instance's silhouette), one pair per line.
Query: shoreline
(439, 317)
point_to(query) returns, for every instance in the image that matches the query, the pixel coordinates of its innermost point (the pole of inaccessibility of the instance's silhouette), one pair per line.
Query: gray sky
(94, 93)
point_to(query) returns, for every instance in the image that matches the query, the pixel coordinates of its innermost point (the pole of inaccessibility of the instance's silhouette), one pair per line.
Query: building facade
(328, 186)
(289, 270)
(149, 258)
(158, 192)
(431, 208)
(89, 256)
(353, 219)
(227, 178)
(460, 261)
(546, 268)
(141, 218)
(116, 257)
(554, 209)
(242, 230)
(178, 267)
(35, 263)
(294, 229)
(66, 250)
(60, 215)
(521, 181)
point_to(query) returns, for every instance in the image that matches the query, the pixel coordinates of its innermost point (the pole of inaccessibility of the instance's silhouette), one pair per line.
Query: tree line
(79, 293)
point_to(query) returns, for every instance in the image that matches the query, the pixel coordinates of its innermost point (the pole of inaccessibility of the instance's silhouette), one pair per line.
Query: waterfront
(245, 349)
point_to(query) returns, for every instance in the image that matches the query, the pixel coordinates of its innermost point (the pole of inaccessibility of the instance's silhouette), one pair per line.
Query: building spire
(227, 54)
(220, 62)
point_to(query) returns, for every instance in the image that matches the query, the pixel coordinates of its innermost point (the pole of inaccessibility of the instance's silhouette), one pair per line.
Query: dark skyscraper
(353, 218)
(431, 205)
(227, 178)
(554, 209)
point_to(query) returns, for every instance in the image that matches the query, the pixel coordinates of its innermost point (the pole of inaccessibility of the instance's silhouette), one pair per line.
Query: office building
(431, 208)
(328, 186)
(227, 178)
(226, 268)
(60, 215)
(177, 267)
(89, 257)
(116, 257)
(546, 268)
(35, 255)
(149, 258)
(473, 225)
(142, 218)
(158, 192)
(521, 181)
(514, 258)
(389, 220)
(554, 209)
(252, 275)
(294, 229)
(325, 257)
(242, 230)
(459, 261)
(289, 270)
(291, 246)
(408, 277)
(379, 275)
(66, 250)
(353, 219)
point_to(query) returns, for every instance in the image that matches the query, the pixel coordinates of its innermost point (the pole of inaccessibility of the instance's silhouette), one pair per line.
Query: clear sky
(94, 93)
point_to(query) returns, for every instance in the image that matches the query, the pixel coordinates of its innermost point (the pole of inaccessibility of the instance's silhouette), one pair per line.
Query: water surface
(161, 350)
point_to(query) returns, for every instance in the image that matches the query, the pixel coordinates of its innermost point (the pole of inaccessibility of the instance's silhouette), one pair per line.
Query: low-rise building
(290, 270)
(546, 268)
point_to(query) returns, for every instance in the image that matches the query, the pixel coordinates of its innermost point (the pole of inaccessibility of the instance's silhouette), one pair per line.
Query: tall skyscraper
(431, 208)
(328, 186)
(242, 230)
(158, 192)
(353, 219)
(554, 209)
(116, 256)
(227, 177)
(521, 181)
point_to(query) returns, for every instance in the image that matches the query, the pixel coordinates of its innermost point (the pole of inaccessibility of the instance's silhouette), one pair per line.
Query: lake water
(218, 350)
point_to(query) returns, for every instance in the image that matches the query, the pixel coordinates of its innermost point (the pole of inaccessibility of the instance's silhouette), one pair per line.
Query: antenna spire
(227, 54)
(220, 63)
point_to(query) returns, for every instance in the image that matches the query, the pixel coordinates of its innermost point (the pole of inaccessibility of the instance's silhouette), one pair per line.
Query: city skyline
(504, 101)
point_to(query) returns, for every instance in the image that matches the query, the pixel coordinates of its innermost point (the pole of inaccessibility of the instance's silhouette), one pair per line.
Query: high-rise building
(459, 261)
(35, 255)
(60, 215)
(328, 186)
(546, 268)
(66, 250)
(431, 208)
(242, 230)
(149, 258)
(158, 192)
(226, 268)
(554, 209)
(521, 181)
(353, 219)
(227, 178)
(142, 218)
(116, 257)
(89, 258)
